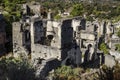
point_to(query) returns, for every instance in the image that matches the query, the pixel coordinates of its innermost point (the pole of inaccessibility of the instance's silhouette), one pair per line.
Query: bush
(57, 17)
(107, 73)
(103, 47)
(118, 33)
(67, 73)
(77, 10)
(117, 47)
(16, 69)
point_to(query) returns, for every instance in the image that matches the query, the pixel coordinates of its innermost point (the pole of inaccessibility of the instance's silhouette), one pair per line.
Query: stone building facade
(47, 38)
(42, 38)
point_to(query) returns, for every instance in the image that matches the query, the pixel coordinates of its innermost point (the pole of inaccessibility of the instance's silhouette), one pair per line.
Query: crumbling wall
(18, 48)
(46, 52)
(113, 42)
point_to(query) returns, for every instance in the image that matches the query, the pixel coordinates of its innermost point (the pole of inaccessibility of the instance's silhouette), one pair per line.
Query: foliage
(107, 73)
(116, 72)
(107, 10)
(89, 18)
(16, 69)
(118, 33)
(12, 12)
(57, 17)
(103, 48)
(66, 73)
(104, 73)
(13, 7)
(118, 47)
(77, 10)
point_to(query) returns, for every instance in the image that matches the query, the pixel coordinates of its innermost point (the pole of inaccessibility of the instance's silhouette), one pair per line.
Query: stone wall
(46, 52)
(61, 34)
(18, 48)
(87, 36)
(113, 42)
(75, 24)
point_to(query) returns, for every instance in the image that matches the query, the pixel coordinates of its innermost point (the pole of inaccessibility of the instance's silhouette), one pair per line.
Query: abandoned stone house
(2, 35)
(41, 38)
(50, 39)
(47, 38)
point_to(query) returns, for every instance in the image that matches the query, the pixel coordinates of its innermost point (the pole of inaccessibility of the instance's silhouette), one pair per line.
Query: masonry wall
(18, 48)
(46, 52)
(113, 42)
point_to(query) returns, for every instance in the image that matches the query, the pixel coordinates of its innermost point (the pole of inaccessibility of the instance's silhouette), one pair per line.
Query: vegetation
(118, 33)
(100, 10)
(116, 73)
(104, 73)
(57, 17)
(16, 69)
(107, 73)
(77, 10)
(11, 10)
(108, 10)
(117, 47)
(103, 47)
(67, 73)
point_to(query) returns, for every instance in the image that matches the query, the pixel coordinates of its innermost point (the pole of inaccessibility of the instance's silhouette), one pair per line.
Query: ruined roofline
(31, 19)
(63, 19)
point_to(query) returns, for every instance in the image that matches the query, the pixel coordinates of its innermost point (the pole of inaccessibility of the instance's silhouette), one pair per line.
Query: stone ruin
(73, 41)
(41, 38)
(50, 43)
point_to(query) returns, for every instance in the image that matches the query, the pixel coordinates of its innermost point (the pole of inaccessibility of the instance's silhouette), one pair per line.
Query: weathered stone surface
(74, 57)
(116, 55)
(109, 61)
(43, 68)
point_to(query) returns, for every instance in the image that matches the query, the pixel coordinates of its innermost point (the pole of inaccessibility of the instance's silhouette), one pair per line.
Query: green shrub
(57, 17)
(103, 47)
(16, 69)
